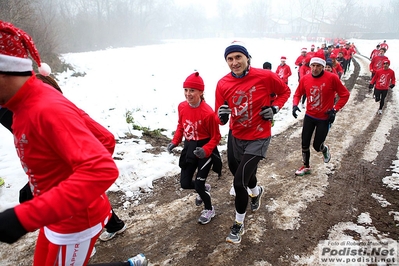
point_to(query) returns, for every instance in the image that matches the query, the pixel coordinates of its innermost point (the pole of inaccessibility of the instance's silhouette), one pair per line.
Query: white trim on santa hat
(15, 64)
(304, 50)
(318, 60)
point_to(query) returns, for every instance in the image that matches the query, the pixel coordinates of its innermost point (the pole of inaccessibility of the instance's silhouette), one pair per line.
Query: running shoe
(326, 154)
(255, 201)
(206, 216)
(237, 230)
(105, 236)
(303, 171)
(138, 260)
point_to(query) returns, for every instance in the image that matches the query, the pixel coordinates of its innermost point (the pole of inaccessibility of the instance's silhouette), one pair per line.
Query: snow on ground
(146, 81)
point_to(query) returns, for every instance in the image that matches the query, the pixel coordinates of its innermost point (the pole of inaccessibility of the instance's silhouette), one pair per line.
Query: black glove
(391, 86)
(268, 112)
(294, 109)
(170, 147)
(223, 112)
(25, 193)
(331, 115)
(371, 86)
(10, 228)
(199, 152)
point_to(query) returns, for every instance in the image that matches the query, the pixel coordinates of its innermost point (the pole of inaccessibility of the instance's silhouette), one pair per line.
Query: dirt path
(296, 212)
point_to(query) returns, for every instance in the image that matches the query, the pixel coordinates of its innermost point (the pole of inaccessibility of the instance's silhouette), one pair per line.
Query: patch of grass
(146, 130)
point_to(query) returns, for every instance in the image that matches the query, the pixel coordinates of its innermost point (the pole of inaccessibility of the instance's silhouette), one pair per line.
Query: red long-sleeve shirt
(284, 72)
(246, 96)
(68, 168)
(320, 94)
(383, 78)
(197, 123)
(377, 62)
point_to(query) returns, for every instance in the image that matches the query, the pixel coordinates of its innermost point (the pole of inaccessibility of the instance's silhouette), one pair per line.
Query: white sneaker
(206, 216)
(379, 112)
(138, 260)
(105, 236)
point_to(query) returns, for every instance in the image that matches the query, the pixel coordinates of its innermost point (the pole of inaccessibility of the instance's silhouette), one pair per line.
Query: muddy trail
(296, 212)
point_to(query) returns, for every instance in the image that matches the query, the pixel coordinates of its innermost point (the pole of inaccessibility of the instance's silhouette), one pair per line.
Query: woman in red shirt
(199, 126)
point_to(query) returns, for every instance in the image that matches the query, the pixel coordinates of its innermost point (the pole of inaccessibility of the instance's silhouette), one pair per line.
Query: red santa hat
(317, 60)
(194, 81)
(386, 61)
(304, 50)
(312, 46)
(15, 48)
(283, 58)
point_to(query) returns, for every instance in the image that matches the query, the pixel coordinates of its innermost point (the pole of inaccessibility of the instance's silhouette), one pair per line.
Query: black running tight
(245, 177)
(309, 126)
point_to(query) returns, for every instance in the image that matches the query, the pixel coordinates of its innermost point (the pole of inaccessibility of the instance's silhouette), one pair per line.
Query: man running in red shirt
(320, 87)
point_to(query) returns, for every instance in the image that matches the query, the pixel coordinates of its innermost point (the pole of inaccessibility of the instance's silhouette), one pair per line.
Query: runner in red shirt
(283, 70)
(199, 126)
(377, 62)
(383, 80)
(375, 52)
(300, 61)
(245, 94)
(321, 88)
(68, 168)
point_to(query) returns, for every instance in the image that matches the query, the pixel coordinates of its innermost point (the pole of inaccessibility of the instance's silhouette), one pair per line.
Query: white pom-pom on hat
(44, 69)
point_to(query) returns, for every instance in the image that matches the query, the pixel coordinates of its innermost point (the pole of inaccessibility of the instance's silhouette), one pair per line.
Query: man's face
(316, 69)
(237, 62)
(386, 66)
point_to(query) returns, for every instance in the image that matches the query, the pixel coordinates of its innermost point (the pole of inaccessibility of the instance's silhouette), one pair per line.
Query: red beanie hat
(15, 48)
(194, 81)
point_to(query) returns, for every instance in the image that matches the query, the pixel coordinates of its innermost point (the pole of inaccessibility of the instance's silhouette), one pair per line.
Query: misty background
(59, 26)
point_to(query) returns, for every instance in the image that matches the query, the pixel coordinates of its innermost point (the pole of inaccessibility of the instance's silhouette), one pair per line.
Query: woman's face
(193, 96)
